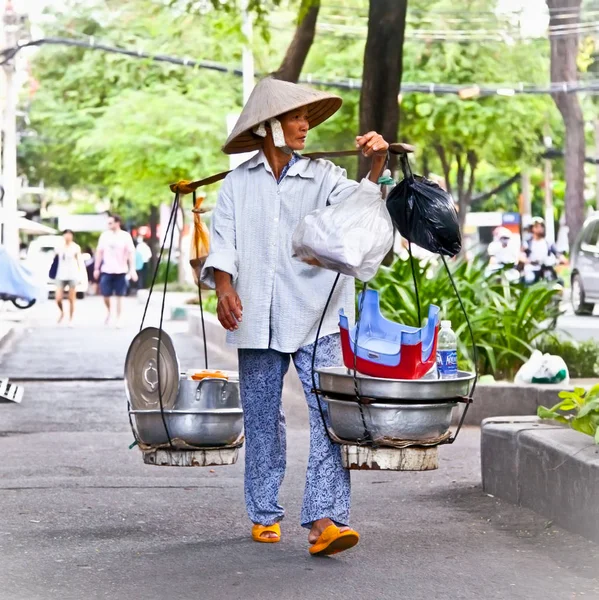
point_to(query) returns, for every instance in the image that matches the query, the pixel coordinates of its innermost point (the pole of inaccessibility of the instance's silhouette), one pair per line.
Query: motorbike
(18, 284)
(528, 275)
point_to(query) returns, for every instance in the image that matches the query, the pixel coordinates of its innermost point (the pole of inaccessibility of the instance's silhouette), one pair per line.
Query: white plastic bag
(543, 368)
(352, 237)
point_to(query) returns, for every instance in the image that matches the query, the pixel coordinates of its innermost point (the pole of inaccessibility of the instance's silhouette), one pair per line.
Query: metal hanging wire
(316, 390)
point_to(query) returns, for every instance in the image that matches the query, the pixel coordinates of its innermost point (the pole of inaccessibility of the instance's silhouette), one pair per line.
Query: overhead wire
(504, 89)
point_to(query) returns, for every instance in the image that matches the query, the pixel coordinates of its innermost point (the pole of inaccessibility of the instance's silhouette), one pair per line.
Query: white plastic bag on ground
(543, 368)
(352, 237)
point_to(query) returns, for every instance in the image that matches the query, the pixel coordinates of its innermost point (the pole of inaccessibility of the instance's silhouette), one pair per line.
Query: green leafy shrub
(209, 301)
(581, 408)
(173, 272)
(508, 319)
(582, 358)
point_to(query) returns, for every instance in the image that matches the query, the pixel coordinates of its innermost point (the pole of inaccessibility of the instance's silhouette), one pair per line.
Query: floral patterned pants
(327, 492)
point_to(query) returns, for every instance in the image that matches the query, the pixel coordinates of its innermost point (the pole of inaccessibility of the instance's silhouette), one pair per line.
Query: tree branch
(297, 52)
(472, 159)
(446, 166)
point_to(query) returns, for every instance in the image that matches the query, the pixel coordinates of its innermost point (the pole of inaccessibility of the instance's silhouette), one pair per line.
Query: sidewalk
(84, 518)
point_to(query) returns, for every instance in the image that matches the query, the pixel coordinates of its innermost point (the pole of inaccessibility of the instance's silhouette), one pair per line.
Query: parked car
(585, 268)
(40, 255)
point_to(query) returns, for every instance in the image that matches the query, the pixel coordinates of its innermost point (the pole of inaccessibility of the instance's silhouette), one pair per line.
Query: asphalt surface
(579, 328)
(83, 517)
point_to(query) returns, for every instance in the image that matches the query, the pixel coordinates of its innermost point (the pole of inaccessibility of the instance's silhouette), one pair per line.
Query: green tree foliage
(460, 135)
(126, 128)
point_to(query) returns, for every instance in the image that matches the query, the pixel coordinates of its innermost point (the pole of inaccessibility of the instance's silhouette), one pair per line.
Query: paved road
(82, 517)
(579, 328)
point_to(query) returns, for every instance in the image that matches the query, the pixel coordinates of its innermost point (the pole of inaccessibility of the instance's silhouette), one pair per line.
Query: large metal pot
(209, 393)
(203, 413)
(418, 422)
(203, 428)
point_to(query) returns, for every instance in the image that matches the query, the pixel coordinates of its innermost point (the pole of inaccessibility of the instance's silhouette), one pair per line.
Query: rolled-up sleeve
(223, 251)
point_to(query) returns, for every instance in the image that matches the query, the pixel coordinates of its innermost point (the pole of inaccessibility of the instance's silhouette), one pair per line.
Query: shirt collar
(302, 167)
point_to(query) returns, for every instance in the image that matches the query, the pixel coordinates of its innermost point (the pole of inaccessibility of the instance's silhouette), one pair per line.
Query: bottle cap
(446, 324)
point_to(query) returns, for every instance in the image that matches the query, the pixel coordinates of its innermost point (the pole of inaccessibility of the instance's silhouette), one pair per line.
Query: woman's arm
(220, 268)
(373, 144)
(223, 248)
(229, 309)
(80, 262)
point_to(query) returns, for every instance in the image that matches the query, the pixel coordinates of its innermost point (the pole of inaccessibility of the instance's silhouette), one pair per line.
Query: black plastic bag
(424, 213)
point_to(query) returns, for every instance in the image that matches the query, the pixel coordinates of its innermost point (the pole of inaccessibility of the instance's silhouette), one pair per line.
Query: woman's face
(538, 229)
(68, 237)
(295, 127)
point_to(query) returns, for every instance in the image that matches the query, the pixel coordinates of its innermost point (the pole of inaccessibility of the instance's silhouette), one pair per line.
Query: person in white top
(68, 273)
(115, 258)
(503, 250)
(143, 256)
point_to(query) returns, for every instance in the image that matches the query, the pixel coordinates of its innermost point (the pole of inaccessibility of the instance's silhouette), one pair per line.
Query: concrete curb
(503, 399)
(543, 466)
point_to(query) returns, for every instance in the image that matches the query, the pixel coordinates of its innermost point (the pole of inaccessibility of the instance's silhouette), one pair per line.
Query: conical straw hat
(270, 98)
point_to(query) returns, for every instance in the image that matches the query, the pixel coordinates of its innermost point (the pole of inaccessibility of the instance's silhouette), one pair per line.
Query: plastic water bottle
(447, 352)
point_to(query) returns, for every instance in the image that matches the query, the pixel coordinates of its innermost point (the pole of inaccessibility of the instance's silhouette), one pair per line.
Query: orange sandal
(258, 530)
(332, 541)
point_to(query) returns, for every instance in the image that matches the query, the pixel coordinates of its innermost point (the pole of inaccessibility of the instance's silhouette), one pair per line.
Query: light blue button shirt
(251, 230)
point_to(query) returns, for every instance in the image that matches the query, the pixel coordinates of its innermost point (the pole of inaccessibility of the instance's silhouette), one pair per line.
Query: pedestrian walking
(89, 268)
(115, 260)
(143, 255)
(281, 300)
(68, 273)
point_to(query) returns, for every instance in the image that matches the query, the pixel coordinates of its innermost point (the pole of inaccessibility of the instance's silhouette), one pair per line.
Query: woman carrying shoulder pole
(271, 303)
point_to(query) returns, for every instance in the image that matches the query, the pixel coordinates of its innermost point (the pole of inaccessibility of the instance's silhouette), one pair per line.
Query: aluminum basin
(389, 421)
(218, 427)
(340, 380)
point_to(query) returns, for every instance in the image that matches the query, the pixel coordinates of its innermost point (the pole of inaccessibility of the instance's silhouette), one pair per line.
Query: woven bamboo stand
(182, 454)
(364, 458)
(392, 454)
(164, 457)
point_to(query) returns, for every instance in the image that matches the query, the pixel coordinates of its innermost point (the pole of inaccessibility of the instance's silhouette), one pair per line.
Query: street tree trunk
(564, 52)
(466, 164)
(296, 54)
(381, 79)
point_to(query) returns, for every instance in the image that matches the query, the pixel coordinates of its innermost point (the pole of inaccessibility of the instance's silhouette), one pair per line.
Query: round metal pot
(207, 428)
(389, 421)
(208, 394)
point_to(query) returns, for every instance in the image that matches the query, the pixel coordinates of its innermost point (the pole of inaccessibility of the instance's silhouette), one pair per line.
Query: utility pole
(597, 162)
(249, 81)
(248, 55)
(10, 233)
(549, 213)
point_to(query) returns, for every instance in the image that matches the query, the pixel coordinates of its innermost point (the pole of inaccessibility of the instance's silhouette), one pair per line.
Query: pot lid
(141, 370)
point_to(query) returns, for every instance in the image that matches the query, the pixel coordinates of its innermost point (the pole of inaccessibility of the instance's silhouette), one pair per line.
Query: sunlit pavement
(579, 328)
(82, 517)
